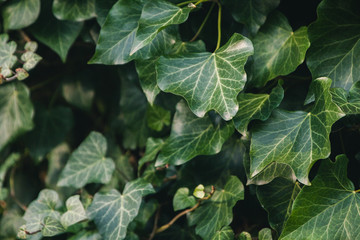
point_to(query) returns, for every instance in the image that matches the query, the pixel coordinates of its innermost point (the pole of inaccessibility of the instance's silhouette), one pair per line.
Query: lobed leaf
(19, 14)
(74, 10)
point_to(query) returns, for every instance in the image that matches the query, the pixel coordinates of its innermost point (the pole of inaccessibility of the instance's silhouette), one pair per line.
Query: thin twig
(203, 23)
(24, 36)
(156, 220)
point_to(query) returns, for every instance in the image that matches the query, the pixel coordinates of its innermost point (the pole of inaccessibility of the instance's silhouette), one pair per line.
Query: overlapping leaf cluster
(160, 144)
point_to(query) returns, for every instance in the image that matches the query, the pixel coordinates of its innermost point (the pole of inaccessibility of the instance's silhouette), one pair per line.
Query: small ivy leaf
(328, 209)
(349, 102)
(300, 142)
(324, 57)
(31, 46)
(208, 80)
(265, 234)
(153, 147)
(182, 199)
(216, 213)
(7, 49)
(20, 13)
(112, 211)
(226, 233)
(4, 167)
(22, 232)
(31, 62)
(256, 106)
(191, 136)
(71, 10)
(157, 117)
(75, 212)
(245, 236)
(157, 15)
(199, 191)
(88, 164)
(277, 50)
(52, 227)
(21, 74)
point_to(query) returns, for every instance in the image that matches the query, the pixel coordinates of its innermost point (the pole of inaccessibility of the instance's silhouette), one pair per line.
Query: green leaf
(208, 80)
(55, 122)
(52, 227)
(112, 212)
(155, 16)
(252, 13)
(102, 9)
(265, 234)
(331, 54)
(216, 213)
(349, 102)
(277, 50)
(328, 209)
(297, 138)
(199, 191)
(75, 212)
(16, 112)
(245, 236)
(282, 192)
(19, 14)
(4, 167)
(86, 235)
(226, 233)
(57, 35)
(7, 50)
(191, 136)
(256, 106)
(157, 117)
(45, 205)
(182, 199)
(153, 147)
(74, 10)
(88, 164)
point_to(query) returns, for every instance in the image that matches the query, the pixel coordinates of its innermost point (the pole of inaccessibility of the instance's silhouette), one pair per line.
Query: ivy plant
(176, 119)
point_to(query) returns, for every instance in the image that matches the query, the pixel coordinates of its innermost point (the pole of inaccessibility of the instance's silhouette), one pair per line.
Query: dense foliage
(170, 119)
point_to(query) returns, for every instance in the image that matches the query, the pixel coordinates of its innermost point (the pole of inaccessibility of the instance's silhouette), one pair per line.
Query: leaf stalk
(203, 23)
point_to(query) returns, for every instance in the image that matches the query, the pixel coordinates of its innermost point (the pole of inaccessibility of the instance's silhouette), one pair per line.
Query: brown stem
(24, 36)
(156, 220)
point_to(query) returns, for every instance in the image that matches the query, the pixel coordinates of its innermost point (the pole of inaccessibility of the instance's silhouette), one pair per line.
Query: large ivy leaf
(328, 209)
(256, 106)
(191, 136)
(54, 122)
(331, 54)
(297, 138)
(16, 112)
(75, 212)
(216, 213)
(208, 80)
(349, 102)
(252, 13)
(74, 10)
(18, 14)
(7, 50)
(282, 192)
(155, 16)
(86, 235)
(277, 50)
(4, 167)
(112, 211)
(88, 164)
(225, 233)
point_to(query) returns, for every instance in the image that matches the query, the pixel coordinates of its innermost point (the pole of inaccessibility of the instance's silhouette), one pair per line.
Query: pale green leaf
(208, 80)
(349, 102)
(88, 164)
(75, 212)
(155, 16)
(86, 235)
(191, 136)
(277, 199)
(74, 10)
(335, 42)
(16, 112)
(52, 227)
(216, 213)
(182, 199)
(265, 234)
(328, 209)
(256, 106)
(4, 167)
(19, 14)
(102, 9)
(153, 147)
(157, 117)
(199, 191)
(277, 50)
(245, 236)
(7, 50)
(112, 211)
(226, 233)
(297, 138)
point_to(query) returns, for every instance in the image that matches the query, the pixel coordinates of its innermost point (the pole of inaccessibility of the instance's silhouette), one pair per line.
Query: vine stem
(166, 226)
(219, 27)
(203, 23)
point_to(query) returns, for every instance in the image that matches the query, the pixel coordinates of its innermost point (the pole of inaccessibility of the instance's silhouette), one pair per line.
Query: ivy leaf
(16, 112)
(208, 80)
(86, 235)
(7, 50)
(102, 9)
(216, 213)
(349, 102)
(265, 234)
(256, 106)
(55, 122)
(191, 136)
(157, 117)
(75, 212)
(277, 50)
(182, 199)
(19, 14)
(298, 138)
(78, 10)
(328, 209)
(155, 16)
(245, 236)
(88, 164)
(252, 13)
(4, 167)
(112, 212)
(52, 227)
(226, 233)
(282, 192)
(331, 54)
(153, 147)
(44, 206)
